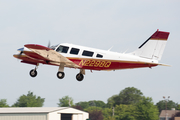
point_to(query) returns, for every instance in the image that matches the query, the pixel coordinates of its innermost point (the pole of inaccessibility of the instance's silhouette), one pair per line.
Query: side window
(87, 53)
(99, 56)
(74, 51)
(62, 49)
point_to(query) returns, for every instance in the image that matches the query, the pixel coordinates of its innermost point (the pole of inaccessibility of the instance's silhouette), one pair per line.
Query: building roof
(170, 113)
(31, 109)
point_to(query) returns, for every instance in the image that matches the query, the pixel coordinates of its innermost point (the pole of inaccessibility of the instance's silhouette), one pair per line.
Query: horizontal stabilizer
(164, 65)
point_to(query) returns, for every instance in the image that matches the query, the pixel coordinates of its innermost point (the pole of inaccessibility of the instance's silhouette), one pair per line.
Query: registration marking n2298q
(95, 63)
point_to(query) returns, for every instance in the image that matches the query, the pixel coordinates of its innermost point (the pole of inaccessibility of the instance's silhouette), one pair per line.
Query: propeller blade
(21, 52)
(49, 44)
(21, 49)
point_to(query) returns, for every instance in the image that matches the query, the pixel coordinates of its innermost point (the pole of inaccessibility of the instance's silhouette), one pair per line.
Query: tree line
(129, 104)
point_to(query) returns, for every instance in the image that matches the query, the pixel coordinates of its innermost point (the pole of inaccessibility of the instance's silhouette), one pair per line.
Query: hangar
(42, 113)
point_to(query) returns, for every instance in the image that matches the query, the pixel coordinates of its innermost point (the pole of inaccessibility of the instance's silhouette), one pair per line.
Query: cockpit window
(53, 47)
(87, 53)
(99, 56)
(74, 51)
(62, 49)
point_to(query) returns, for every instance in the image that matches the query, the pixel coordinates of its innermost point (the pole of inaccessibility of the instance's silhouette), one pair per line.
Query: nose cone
(16, 56)
(20, 50)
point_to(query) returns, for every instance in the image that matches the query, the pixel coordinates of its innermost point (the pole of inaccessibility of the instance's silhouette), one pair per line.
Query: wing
(51, 55)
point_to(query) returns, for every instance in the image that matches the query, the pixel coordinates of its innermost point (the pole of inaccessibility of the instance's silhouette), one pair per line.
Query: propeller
(21, 52)
(19, 55)
(49, 44)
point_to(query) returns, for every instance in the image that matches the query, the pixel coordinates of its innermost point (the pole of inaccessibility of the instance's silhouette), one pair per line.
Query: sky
(101, 24)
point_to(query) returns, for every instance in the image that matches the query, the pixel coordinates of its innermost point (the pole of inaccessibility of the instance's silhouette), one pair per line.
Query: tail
(153, 47)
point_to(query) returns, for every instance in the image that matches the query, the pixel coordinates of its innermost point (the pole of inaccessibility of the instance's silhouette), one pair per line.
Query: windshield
(62, 49)
(53, 47)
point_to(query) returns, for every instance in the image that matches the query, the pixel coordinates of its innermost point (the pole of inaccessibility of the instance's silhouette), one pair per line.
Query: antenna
(110, 48)
(69, 102)
(125, 51)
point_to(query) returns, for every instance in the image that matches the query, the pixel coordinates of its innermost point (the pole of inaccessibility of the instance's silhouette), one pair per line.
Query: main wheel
(79, 77)
(60, 75)
(33, 73)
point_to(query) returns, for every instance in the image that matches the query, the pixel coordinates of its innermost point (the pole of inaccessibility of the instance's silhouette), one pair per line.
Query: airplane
(86, 58)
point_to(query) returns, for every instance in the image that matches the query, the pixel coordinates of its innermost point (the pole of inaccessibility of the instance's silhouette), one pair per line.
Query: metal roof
(31, 109)
(170, 113)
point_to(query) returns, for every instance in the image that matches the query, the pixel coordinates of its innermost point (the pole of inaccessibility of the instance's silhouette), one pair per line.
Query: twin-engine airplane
(80, 57)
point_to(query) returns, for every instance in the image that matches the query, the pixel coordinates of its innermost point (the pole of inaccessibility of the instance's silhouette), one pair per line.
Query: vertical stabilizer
(153, 47)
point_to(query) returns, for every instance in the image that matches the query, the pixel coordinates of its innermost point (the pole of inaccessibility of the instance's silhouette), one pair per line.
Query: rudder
(153, 47)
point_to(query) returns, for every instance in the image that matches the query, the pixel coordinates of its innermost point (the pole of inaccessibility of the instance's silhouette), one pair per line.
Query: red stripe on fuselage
(100, 64)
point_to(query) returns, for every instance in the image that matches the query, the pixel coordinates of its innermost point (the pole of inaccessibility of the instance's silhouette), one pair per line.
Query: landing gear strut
(33, 72)
(60, 73)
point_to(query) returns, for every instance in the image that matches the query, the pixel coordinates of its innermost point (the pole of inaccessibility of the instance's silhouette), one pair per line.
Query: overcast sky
(123, 24)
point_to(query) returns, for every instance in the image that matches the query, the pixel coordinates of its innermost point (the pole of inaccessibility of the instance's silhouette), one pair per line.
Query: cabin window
(87, 53)
(62, 49)
(74, 51)
(99, 56)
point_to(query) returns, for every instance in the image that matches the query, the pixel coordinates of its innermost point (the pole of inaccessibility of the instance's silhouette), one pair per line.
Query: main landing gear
(79, 76)
(60, 73)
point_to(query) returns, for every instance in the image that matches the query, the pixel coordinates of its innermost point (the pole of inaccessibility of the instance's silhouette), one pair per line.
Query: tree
(178, 108)
(108, 114)
(129, 95)
(112, 101)
(3, 103)
(125, 112)
(78, 107)
(170, 104)
(65, 101)
(97, 103)
(95, 113)
(29, 100)
(84, 105)
(146, 110)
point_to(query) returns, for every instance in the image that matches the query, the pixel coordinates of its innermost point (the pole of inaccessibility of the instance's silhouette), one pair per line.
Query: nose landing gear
(33, 72)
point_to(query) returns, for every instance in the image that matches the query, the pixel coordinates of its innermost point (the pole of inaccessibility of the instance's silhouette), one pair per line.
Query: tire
(79, 77)
(60, 75)
(33, 73)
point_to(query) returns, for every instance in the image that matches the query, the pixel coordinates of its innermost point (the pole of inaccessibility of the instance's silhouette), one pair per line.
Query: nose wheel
(33, 73)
